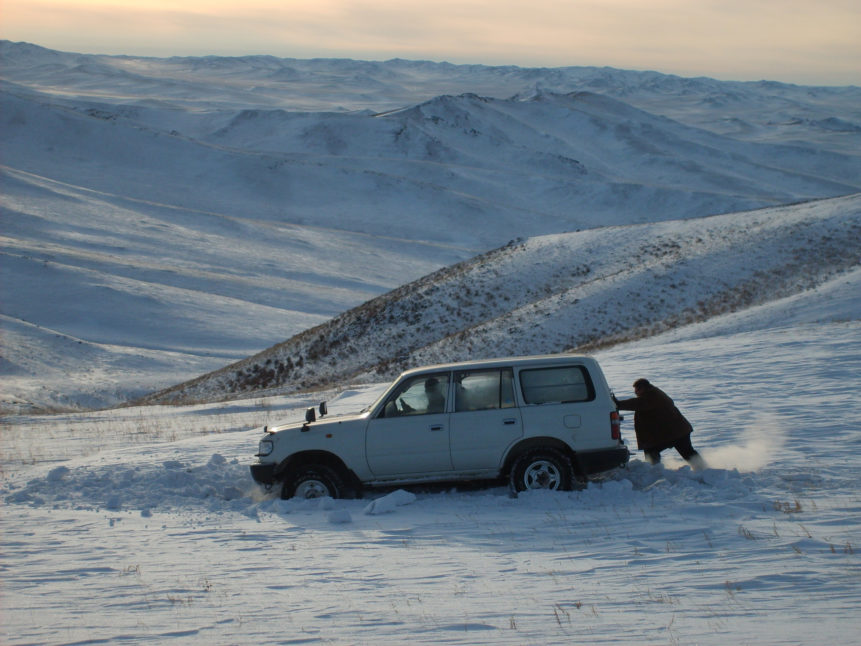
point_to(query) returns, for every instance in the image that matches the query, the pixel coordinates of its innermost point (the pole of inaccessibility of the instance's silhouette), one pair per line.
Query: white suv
(542, 422)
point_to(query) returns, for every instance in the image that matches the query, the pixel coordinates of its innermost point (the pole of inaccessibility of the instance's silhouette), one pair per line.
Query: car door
(485, 420)
(410, 433)
(561, 401)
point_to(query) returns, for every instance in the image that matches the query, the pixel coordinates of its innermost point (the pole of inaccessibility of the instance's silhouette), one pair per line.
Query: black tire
(313, 481)
(542, 469)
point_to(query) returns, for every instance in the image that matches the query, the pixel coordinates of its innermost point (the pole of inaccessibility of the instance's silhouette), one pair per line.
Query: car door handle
(509, 421)
(437, 427)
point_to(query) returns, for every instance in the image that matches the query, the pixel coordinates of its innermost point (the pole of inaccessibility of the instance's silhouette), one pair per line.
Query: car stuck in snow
(542, 422)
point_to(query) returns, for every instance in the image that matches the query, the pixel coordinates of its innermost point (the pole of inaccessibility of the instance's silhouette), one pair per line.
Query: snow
(164, 537)
(135, 258)
(175, 215)
(560, 292)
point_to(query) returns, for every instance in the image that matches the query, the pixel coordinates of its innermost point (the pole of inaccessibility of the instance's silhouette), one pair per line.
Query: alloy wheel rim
(542, 474)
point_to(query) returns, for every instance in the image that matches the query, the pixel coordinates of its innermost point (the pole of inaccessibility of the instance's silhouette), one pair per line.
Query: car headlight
(265, 448)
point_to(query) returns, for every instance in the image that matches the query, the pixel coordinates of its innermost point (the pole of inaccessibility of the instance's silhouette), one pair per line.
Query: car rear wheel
(313, 481)
(542, 469)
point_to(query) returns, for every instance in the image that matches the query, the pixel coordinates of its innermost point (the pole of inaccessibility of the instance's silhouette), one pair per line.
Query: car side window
(556, 385)
(422, 395)
(484, 390)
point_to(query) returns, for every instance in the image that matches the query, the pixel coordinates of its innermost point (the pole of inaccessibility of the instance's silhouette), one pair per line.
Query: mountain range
(165, 217)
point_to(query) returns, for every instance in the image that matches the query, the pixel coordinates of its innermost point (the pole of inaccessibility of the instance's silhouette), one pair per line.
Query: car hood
(320, 423)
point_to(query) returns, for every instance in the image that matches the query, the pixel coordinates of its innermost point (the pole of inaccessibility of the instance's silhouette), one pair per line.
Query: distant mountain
(165, 217)
(466, 170)
(755, 111)
(575, 291)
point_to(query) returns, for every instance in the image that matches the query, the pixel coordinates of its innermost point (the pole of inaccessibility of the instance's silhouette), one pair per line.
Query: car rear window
(560, 384)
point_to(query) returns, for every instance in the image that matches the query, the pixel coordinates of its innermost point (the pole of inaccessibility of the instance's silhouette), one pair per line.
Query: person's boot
(652, 457)
(697, 463)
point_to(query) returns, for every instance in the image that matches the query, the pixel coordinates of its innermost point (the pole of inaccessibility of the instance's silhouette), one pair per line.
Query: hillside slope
(561, 292)
(164, 217)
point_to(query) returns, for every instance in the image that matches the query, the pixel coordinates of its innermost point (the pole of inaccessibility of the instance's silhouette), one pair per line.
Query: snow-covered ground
(143, 525)
(163, 217)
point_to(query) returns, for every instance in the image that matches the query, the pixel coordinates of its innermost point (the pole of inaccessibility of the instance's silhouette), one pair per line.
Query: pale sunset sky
(810, 42)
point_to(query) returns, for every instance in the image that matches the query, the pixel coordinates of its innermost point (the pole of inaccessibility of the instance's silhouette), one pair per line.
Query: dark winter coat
(657, 421)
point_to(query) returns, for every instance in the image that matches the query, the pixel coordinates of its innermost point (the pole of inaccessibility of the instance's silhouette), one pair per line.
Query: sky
(797, 41)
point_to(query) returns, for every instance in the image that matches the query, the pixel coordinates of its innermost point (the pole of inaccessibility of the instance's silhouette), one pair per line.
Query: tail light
(615, 425)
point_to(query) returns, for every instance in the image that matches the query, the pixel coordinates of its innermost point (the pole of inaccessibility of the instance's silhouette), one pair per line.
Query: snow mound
(218, 485)
(390, 502)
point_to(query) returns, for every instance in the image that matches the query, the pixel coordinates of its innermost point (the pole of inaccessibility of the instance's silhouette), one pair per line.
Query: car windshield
(377, 401)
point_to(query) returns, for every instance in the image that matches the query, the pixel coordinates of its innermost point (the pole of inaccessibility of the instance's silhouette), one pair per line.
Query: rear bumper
(263, 473)
(602, 460)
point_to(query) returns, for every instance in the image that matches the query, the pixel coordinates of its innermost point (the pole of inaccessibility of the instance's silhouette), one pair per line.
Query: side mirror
(324, 410)
(310, 415)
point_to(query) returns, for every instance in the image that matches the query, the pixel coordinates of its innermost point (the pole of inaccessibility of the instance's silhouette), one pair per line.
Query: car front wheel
(313, 481)
(542, 469)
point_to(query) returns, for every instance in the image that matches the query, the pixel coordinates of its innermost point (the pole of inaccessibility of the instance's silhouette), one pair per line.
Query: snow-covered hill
(143, 524)
(562, 292)
(164, 217)
(762, 111)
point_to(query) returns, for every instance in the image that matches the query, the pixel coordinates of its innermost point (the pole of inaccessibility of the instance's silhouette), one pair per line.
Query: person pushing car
(659, 425)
